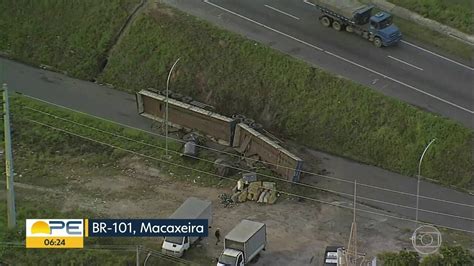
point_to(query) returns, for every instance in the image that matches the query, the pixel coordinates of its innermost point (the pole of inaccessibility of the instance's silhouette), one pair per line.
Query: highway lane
(407, 71)
(120, 107)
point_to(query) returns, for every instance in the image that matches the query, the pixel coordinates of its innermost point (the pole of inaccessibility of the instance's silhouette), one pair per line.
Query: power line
(244, 170)
(227, 178)
(115, 248)
(11, 210)
(253, 159)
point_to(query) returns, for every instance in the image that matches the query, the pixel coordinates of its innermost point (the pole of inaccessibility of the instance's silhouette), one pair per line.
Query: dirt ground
(298, 231)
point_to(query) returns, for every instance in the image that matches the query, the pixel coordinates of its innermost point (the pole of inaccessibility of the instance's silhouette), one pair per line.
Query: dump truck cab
(381, 26)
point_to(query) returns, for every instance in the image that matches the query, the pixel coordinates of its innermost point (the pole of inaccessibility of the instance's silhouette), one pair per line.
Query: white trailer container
(192, 208)
(243, 243)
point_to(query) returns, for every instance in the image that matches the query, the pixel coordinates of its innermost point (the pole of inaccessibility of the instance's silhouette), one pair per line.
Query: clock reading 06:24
(55, 242)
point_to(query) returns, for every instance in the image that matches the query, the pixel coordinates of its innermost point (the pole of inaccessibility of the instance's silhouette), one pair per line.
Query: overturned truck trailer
(228, 131)
(186, 116)
(250, 142)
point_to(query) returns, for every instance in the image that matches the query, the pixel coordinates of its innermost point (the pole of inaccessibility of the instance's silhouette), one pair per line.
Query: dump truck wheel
(238, 117)
(325, 21)
(349, 28)
(336, 25)
(163, 92)
(176, 96)
(186, 99)
(249, 121)
(377, 42)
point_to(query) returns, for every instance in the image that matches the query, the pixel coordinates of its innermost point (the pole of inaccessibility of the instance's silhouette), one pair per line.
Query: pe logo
(54, 233)
(426, 239)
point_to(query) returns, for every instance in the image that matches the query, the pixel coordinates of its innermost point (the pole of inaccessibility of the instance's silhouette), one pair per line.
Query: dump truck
(355, 17)
(192, 208)
(243, 243)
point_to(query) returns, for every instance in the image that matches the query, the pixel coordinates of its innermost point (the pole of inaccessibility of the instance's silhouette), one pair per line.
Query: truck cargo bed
(345, 8)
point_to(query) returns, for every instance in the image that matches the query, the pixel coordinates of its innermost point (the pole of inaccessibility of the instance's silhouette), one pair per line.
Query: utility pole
(351, 256)
(8, 160)
(419, 177)
(138, 256)
(166, 107)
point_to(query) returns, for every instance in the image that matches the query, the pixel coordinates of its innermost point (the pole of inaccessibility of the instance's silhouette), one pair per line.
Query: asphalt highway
(376, 187)
(408, 71)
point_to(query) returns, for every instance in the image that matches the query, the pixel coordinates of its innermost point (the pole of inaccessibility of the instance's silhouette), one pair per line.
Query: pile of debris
(248, 188)
(226, 200)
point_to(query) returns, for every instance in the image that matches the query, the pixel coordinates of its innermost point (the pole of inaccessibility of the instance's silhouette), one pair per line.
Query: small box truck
(192, 208)
(243, 243)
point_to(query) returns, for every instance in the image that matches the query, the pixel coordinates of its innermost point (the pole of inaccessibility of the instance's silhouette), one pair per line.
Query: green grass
(434, 40)
(455, 13)
(43, 151)
(288, 96)
(44, 157)
(17, 255)
(71, 36)
(441, 42)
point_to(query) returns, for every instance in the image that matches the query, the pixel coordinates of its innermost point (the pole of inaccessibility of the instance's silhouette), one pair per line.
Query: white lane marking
(459, 38)
(282, 12)
(402, 83)
(423, 49)
(438, 55)
(406, 63)
(340, 57)
(263, 25)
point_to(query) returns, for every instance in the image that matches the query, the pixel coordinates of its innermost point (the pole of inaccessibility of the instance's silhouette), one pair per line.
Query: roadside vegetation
(455, 13)
(447, 255)
(237, 75)
(70, 36)
(12, 249)
(288, 96)
(47, 160)
(442, 43)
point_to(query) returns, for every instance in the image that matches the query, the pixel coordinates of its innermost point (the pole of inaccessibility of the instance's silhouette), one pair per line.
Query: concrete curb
(431, 24)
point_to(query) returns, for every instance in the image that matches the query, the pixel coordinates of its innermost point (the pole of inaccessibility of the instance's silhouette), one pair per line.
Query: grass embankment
(101, 145)
(442, 43)
(47, 158)
(288, 96)
(455, 13)
(71, 36)
(18, 255)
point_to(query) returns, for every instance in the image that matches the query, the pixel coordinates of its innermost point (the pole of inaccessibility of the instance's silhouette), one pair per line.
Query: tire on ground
(238, 117)
(186, 99)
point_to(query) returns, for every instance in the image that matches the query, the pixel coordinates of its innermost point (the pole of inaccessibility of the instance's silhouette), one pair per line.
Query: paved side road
(120, 107)
(408, 72)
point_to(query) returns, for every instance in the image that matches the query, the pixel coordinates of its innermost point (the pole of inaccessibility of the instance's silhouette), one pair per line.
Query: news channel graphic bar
(146, 227)
(54, 233)
(70, 233)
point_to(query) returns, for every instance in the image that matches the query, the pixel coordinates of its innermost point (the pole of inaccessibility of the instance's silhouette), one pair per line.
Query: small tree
(408, 258)
(450, 256)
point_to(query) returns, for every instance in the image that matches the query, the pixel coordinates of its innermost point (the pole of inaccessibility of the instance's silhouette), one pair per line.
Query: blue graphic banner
(146, 227)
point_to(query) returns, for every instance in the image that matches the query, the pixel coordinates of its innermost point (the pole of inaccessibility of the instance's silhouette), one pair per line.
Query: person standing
(217, 234)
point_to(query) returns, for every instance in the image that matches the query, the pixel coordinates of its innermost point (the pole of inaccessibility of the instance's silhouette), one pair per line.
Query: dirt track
(297, 231)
